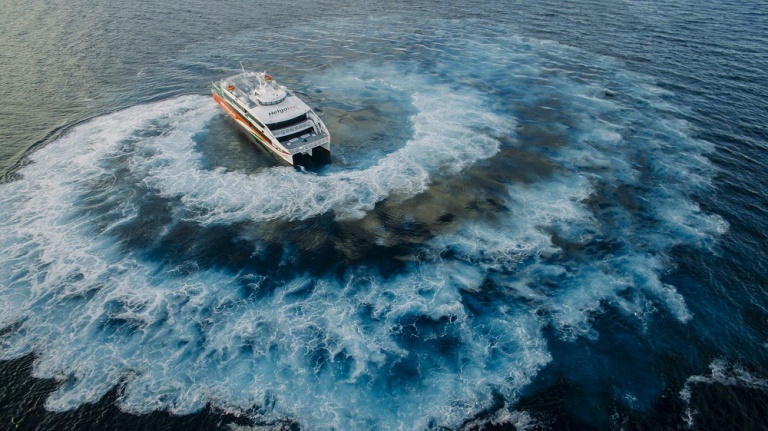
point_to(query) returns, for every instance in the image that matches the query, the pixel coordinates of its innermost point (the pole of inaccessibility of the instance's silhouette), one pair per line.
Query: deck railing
(293, 129)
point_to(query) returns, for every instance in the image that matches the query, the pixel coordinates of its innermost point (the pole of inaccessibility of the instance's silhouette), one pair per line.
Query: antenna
(241, 66)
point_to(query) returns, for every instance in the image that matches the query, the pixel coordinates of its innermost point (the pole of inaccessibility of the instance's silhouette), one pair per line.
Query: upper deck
(268, 101)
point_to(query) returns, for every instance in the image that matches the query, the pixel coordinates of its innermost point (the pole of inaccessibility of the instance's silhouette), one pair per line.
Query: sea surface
(537, 215)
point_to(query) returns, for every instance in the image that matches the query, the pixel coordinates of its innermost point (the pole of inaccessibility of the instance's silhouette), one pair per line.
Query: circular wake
(409, 285)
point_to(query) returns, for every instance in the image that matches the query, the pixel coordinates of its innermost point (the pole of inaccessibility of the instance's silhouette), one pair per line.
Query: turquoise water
(536, 216)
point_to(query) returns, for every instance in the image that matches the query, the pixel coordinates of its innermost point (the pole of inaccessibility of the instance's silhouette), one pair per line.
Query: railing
(300, 146)
(293, 129)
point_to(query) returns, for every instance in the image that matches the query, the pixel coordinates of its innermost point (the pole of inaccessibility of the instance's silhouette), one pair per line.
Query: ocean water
(537, 215)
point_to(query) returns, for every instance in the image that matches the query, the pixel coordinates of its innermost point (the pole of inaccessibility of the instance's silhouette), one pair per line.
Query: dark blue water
(537, 216)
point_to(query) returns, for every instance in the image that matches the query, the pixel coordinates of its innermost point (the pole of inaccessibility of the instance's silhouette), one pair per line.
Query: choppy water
(537, 216)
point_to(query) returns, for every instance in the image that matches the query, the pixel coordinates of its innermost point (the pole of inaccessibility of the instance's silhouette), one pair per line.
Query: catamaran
(272, 115)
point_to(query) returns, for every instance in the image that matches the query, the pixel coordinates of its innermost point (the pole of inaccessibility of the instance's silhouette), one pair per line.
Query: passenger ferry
(272, 115)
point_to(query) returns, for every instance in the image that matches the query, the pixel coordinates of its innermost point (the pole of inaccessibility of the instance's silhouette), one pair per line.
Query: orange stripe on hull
(244, 123)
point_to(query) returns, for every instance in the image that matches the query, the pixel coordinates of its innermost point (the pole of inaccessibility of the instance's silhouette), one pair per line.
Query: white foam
(180, 343)
(529, 263)
(445, 141)
(522, 421)
(722, 373)
(361, 351)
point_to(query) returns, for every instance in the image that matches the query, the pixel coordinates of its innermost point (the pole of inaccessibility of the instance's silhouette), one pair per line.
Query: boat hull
(253, 133)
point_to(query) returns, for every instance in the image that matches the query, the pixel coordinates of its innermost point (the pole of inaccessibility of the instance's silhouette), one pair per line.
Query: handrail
(293, 129)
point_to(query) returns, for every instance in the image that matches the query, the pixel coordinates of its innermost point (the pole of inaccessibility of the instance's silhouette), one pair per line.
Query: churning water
(510, 217)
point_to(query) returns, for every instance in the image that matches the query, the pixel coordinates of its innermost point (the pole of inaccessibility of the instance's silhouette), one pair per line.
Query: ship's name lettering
(280, 111)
